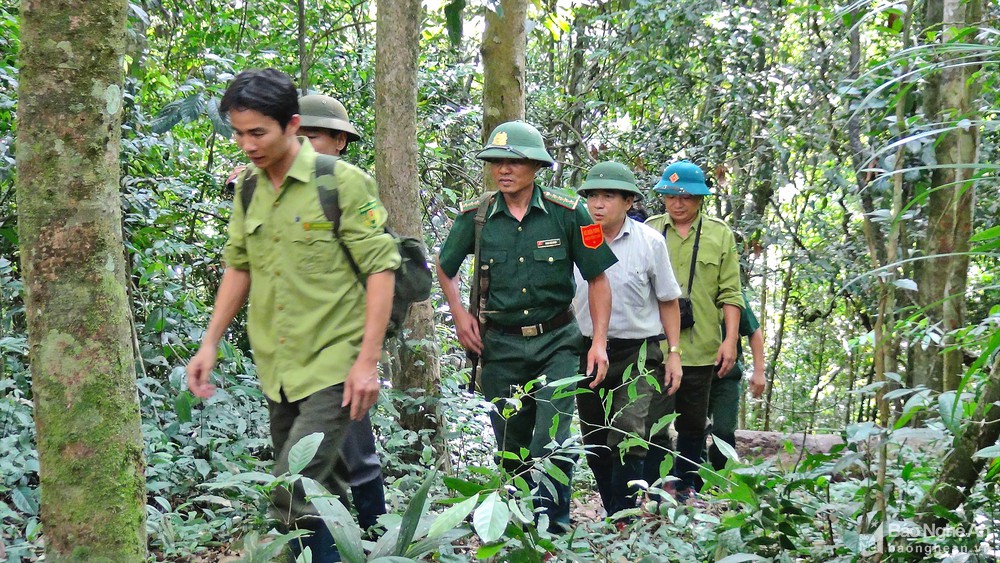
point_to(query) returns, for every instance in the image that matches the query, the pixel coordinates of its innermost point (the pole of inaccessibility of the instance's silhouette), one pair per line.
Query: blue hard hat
(682, 178)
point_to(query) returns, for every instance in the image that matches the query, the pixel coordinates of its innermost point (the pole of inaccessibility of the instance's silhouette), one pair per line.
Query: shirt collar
(304, 165)
(500, 204)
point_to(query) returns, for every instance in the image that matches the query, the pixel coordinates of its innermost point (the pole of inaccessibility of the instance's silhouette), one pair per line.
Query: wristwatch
(674, 349)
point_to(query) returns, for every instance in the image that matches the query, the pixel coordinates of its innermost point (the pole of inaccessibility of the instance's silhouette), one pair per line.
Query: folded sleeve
(362, 222)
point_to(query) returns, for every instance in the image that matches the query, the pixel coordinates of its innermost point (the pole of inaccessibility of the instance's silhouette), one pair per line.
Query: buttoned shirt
(716, 281)
(639, 281)
(307, 308)
(530, 261)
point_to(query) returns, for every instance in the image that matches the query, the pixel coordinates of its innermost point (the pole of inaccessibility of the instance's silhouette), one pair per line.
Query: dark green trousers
(724, 410)
(617, 409)
(290, 422)
(539, 417)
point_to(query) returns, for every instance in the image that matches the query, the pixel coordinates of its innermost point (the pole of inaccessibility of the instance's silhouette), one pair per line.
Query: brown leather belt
(558, 321)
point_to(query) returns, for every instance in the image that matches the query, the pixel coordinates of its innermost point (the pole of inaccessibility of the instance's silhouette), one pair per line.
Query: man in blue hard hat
(706, 264)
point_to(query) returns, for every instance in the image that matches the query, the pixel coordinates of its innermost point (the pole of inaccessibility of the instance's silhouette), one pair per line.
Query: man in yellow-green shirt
(712, 287)
(316, 356)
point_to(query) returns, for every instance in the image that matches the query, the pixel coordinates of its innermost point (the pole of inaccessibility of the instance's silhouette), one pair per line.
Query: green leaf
(487, 551)
(988, 453)
(725, 448)
(664, 421)
(182, 406)
(219, 123)
(169, 116)
(740, 558)
(192, 107)
(337, 518)
(491, 518)
(303, 452)
(452, 517)
(414, 511)
(950, 405)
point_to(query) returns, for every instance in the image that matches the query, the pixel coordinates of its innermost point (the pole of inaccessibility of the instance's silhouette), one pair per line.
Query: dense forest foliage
(870, 246)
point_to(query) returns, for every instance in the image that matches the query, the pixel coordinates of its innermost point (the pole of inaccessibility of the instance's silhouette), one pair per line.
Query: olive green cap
(516, 140)
(325, 112)
(610, 175)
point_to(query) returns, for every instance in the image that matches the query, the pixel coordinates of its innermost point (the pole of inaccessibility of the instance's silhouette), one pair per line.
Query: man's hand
(236, 172)
(757, 383)
(725, 358)
(672, 377)
(597, 359)
(467, 328)
(199, 371)
(361, 388)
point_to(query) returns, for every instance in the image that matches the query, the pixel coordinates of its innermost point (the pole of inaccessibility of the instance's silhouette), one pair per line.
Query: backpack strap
(485, 202)
(246, 192)
(329, 200)
(694, 256)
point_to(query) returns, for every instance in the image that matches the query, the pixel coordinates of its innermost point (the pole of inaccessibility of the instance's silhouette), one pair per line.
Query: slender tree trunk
(83, 376)
(303, 63)
(503, 49)
(950, 97)
(397, 40)
(779, 336)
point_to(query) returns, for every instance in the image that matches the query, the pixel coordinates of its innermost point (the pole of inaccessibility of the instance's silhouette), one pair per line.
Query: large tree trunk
(86, 407)
(949, 98)
(397, 40)
(503, 49)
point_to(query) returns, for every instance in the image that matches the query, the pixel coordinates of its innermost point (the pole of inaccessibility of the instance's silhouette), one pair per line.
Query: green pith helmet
(518, 140)
(682, 178)
(325, 112)
(610, 176)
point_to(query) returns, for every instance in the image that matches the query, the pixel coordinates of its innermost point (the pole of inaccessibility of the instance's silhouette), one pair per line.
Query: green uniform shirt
(531, 261)
(748, 325)
(716, 282)
(307, 309)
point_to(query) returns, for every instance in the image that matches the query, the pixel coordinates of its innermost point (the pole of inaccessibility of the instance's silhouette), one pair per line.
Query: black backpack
(413, 278)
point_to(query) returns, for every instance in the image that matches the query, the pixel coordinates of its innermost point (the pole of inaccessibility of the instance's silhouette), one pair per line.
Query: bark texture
(397, 40)
(72, 257)
(950, 97)
(503, 50)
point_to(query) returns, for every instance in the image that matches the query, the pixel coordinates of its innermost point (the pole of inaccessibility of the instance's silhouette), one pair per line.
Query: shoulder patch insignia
(562, 199)
(470, 205)
(592, 235)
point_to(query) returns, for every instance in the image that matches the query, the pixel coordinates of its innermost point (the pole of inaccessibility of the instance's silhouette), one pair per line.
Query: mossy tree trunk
(949, 99)
(503, 50)
(72, 258)
(397, 41)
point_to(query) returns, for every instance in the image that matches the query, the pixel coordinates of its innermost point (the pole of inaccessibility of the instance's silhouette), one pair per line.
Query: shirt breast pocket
(708, 267)
(253, 234)
(550, 267)
(314, 252)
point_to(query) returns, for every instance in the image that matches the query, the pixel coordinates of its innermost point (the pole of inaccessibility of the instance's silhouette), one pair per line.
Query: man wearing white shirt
(644, 311)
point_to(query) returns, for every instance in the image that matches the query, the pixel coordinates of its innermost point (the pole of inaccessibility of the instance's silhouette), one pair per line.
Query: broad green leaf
(725, 448)
(452, 517)
(988, 453)
(740, 558)
(303, 451)
(414, 511)
(491, 518)
(338, 519)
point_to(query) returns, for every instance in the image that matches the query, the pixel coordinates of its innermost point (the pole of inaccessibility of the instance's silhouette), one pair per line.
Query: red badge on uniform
(593, 236)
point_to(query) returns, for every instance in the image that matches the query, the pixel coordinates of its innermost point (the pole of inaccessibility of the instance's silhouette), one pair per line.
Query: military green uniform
(716, 283)
(530, 331)
(306, 314)
(727, 392)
